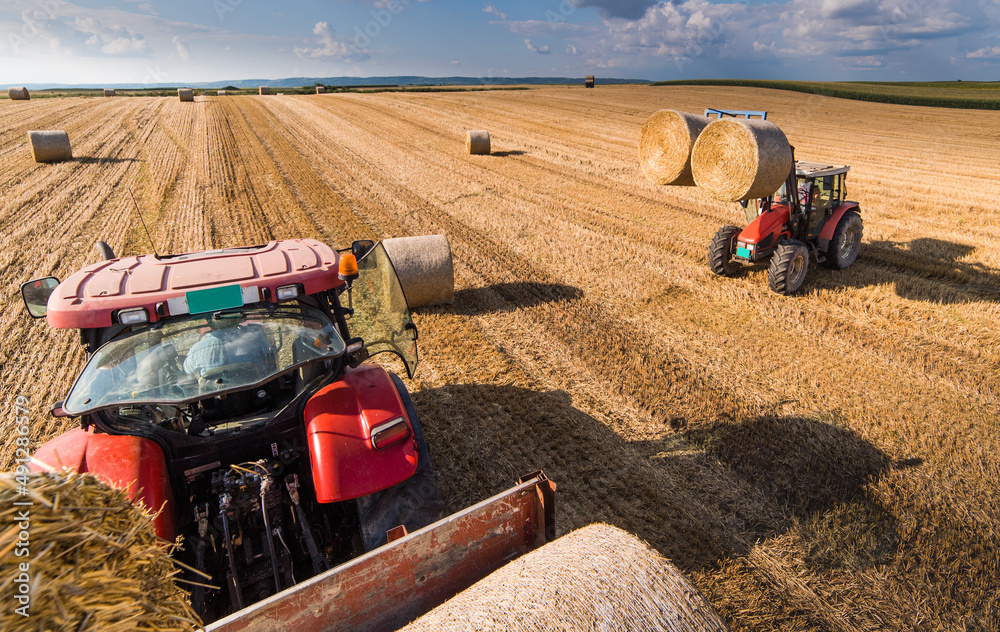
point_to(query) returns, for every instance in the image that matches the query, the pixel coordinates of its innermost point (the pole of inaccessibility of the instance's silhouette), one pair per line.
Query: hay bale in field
(424, 267)
(109, 92)
(477, 141)
(186, 95)
(588, 81)
(221, 93)
(50, 145)
(94, 562)
(264, 90)
(665, 146)
(320, 90)
(741, 159)
(596, 578)
(18, 94)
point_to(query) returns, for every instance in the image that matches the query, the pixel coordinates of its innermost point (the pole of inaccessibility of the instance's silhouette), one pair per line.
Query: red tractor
(230, 388)
(808, 217)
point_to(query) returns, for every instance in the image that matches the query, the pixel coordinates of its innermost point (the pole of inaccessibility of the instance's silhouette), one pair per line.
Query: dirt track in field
(821, 462)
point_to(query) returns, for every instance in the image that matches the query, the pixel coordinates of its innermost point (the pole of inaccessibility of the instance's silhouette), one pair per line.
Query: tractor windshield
(206, 355)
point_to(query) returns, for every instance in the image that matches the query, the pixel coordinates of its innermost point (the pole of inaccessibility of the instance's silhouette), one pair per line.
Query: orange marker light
(348, 266)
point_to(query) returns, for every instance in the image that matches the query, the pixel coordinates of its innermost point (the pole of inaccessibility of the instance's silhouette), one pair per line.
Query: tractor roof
(818, 169)
(93, 296)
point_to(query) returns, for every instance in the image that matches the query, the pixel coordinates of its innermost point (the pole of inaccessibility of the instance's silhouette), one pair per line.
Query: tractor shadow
(508, 297)
(923, 269)
(698, 496)
(90, 160)
(512, 152)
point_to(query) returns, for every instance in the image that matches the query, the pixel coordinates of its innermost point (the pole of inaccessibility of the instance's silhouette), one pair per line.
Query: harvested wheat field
(826, 461)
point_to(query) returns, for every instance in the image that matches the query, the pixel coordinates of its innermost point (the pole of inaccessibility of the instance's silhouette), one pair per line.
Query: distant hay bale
(596, 578)
(18, 94)
(738, 159)
(264, 90)
(320, 90)
(221, 93)
(588, 81)
(424, 267)
(94, 560)
(50, 145)
(665, 146)
(186, 95)
(109, 92)
(477, 141)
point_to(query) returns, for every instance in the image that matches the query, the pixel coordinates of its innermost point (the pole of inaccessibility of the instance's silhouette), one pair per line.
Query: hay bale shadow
(507, 297)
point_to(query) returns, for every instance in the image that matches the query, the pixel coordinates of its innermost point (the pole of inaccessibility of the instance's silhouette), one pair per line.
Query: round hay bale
(186, 95)
(18, 94)
(109, 92)
(665, 146)
(320, 90)
(264, 90)
(596, 578)
(93, 560)
(588, 81)
(424, 267)
(477, 141)
(50, 145)
(221, 93)
(739, 159)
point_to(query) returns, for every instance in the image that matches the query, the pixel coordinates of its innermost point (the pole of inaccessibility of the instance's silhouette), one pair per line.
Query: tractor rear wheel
(846, 242)
(789, 265)
(720, 252)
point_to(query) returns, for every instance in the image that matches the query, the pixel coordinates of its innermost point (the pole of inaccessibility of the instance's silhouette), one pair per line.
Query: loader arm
(387, 588)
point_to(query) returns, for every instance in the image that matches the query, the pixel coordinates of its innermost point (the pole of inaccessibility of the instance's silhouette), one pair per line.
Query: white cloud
(182, 49)
(489, 8)
(122, 45)
(988, 53)
(541, 50)
(329, 48)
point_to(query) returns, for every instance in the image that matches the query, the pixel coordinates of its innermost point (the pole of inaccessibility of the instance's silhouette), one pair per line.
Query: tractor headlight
(135, 316)
(389, 433)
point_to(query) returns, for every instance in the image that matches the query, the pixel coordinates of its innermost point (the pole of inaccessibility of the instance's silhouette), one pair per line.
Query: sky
(187, 41)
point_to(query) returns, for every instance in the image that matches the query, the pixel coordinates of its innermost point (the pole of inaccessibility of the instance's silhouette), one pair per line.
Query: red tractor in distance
(808, 217)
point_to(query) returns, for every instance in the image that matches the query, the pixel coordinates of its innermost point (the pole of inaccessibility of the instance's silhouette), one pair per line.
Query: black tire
(846, 242)
(789, 265)
(414, 503)
(720, 252)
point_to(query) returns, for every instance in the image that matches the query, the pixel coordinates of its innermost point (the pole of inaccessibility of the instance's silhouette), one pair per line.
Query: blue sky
(150, 41)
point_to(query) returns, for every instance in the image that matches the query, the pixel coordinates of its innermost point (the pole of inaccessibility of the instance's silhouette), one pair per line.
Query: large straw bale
(18, 94)
(50, 145)
(220, 93)
(320, 90)
(596, 578)
(186, 95)
(477, 141)
(741, 159)
(665, 146)
(264, 90)
(424, 267)
(109, 92)
(94, 562)
(588, 81)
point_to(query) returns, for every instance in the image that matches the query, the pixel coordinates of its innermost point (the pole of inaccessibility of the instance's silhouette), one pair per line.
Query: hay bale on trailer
(424, 267)
(588, 81)
(596, 578)
(477, 141)
(738, 159)
(95, 561)
(264, 90)
(665, 145)
(320, 90)
(109, 92)
(50, 145)
(18, 94)
(186, 95)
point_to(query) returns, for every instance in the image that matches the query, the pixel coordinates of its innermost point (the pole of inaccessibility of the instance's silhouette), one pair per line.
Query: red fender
(132, 464)
(831, 224)
(339, 420)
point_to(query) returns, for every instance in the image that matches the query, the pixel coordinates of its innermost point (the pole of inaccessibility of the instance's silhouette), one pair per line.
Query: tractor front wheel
(789, 265)
(720, 252)
(846, 242)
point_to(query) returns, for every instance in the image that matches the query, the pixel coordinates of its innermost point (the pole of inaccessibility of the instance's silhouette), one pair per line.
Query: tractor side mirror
(36, 295)
(361, 247)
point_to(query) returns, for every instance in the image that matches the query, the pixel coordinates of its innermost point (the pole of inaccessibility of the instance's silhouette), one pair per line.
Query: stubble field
(820, 462)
